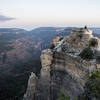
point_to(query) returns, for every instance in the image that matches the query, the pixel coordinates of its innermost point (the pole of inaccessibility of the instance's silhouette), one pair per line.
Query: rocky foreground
(66, 68)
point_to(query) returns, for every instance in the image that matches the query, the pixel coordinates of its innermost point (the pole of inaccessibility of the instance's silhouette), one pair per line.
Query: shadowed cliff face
(63, 69)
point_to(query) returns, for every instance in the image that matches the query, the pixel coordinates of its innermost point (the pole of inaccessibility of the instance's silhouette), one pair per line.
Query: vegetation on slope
(63, 96)
(87, 53)
(93, 42)
(92, 88)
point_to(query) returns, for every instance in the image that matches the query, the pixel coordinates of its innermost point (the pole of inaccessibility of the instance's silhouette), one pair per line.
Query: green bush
(87, 53)
(61, 38)
(93, 42)
(92, 87)
(52, 46)
(63, 96)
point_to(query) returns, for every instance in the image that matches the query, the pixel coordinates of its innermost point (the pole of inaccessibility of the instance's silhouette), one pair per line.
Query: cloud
(5, 18)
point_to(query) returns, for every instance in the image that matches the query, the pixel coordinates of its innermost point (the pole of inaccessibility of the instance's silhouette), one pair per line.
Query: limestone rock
(63, 69)
(46, 61)
(46, 58)
(54, 41)
(31, 89)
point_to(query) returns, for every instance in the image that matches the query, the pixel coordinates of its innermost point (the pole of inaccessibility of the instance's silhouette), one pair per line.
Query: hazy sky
(33, 13)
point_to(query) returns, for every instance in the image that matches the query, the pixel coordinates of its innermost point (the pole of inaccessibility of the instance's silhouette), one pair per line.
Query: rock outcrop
(31, 90)
(46, 61)
(63, 69)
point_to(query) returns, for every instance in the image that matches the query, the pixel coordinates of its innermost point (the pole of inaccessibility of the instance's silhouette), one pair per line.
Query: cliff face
(63, 69)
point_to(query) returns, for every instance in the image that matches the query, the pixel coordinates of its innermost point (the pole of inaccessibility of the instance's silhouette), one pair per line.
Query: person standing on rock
(86, 28)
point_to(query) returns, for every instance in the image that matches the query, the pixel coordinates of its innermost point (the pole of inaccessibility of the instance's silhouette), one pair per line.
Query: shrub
(87, 53)
(61, 38)
(52, 46)
(63, 96)
(92, 87)
(93, 42)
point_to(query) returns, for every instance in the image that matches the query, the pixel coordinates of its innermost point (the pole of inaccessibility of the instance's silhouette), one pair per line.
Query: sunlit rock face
(63, 69)
(54, 41)
(46, 61)
(77, 40)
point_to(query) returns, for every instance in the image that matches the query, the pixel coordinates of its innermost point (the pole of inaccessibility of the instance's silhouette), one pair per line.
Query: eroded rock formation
(63, 69)
(31, 90)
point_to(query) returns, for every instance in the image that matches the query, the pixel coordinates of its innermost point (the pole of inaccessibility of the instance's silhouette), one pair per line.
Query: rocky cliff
(66, 67)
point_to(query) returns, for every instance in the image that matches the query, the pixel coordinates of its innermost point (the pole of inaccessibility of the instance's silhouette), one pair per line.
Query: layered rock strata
(63, 69)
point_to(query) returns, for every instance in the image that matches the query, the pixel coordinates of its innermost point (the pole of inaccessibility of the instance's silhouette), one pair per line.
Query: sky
(29, 14)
